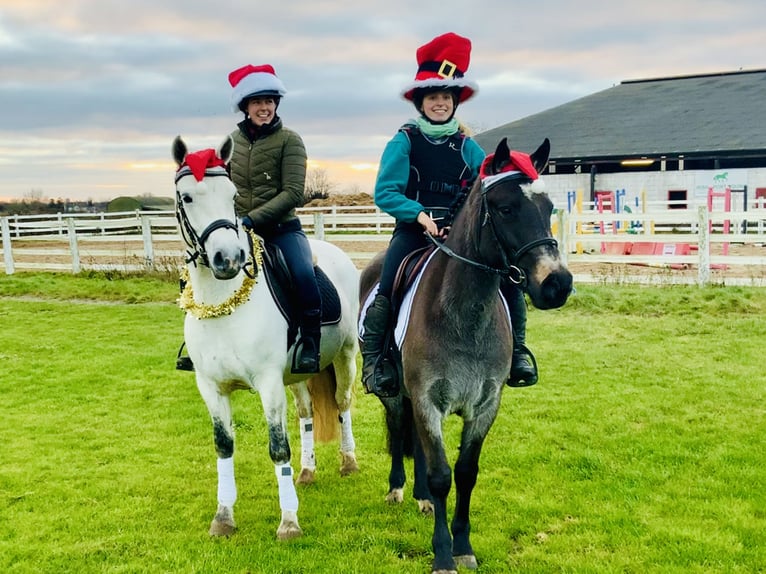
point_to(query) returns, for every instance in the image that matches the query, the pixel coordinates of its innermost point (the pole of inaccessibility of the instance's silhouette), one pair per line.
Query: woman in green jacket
(268, 167)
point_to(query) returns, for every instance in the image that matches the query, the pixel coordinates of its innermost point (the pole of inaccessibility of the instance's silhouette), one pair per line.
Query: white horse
(237, 337)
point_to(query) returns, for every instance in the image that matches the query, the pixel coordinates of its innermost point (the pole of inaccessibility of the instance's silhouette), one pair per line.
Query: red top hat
(442, 63)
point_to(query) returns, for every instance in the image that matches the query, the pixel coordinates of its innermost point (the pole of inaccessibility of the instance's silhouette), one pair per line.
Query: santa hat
(250, 81)
(520, 165)
(442, 63)
(198, 162)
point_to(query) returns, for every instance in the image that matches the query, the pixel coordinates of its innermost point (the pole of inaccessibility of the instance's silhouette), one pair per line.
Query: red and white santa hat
(520, 165)
(250, 81)
(442, 63)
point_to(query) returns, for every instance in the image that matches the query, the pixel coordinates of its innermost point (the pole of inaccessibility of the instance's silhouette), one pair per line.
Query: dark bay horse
(456, 351)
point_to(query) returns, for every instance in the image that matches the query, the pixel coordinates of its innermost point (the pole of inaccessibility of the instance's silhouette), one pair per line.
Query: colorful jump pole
(726, 195)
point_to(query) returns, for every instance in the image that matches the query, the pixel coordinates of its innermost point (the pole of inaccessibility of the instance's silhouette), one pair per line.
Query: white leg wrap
(288, 499)
(227, 488)
(308, 459)
(347, 443)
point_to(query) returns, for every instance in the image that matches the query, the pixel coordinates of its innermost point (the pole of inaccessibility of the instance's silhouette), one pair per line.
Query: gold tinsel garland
(202, 311)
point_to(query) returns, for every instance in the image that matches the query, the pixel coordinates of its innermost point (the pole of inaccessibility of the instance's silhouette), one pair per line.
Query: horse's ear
(540, 156)
(179, 150)
(225, 149)
(502, 156)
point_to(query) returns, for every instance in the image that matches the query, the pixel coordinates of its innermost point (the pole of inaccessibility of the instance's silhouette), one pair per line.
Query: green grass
(641, 449)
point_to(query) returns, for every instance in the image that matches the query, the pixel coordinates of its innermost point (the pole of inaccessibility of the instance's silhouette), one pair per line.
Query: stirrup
(527, 382)
(183, 363)
(384, 369)
(295, 365)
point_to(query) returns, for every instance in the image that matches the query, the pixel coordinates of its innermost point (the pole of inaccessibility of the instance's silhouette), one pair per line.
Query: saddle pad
(403, 316)
(284, 297)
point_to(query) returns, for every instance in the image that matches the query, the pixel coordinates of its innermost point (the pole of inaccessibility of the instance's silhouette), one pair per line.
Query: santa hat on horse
(442, 63)
(252, 81)
(516, 164)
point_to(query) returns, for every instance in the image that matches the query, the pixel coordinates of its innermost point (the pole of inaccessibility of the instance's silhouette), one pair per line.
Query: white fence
(132, 241)
(709, 242)
(724, 243)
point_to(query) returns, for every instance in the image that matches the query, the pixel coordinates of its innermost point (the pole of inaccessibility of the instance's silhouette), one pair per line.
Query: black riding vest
(438, 171)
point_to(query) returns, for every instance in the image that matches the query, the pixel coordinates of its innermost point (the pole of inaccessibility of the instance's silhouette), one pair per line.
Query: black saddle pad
(280, 283)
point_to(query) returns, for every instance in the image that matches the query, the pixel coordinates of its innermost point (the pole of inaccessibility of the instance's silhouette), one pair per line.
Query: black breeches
(407, 237)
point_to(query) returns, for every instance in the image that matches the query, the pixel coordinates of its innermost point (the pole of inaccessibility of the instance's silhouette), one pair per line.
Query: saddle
(406, 274)
(281, 285)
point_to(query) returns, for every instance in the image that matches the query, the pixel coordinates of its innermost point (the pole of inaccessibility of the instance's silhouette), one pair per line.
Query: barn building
(662, 141)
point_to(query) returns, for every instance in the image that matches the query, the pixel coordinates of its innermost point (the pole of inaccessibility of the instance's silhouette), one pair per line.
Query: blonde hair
(464, 129)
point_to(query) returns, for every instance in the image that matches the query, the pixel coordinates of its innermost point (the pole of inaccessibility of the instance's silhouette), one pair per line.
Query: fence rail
(714, 244)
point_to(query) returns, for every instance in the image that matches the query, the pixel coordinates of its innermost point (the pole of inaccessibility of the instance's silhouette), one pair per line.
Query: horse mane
(467, 215)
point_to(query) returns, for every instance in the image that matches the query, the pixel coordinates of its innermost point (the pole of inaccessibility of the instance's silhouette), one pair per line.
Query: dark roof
(700, 115)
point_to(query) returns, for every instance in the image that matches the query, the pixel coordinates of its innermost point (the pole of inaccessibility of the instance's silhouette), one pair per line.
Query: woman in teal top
(425, 171)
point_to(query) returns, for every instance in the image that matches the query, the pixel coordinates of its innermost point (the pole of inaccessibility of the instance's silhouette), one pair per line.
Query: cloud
(93, 92)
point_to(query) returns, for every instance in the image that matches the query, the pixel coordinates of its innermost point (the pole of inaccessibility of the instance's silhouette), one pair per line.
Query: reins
(205, 311)
(510, 269)
(196, 242)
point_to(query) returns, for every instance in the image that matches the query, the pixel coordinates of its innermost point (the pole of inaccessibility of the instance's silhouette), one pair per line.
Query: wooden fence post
(146, 233)
(703, 245)
(73, 245)
(7, 253)
(319, 225)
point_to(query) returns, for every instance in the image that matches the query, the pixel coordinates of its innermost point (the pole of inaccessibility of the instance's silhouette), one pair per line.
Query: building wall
(655, 185)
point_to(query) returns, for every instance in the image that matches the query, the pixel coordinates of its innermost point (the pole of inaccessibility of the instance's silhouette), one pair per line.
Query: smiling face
(261, 109)
(438, 106)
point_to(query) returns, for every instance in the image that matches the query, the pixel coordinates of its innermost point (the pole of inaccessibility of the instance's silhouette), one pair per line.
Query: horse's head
(514, 224)
(205, 208)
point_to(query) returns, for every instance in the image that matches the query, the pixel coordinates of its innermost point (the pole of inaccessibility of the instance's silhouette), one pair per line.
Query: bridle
(510, 258)
(195, 241)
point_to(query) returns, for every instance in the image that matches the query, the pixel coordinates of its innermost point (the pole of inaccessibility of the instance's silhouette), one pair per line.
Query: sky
(92, 93)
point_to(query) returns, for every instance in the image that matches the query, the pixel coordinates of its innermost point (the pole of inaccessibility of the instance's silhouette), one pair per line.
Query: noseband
(511, 258)
(196, 242)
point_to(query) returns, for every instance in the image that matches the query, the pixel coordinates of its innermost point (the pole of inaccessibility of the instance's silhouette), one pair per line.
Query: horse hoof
(426, 507)
(288, 531)
(223, 523)
(467, 561)
(348, 464)
(395, 496)
(305, 477)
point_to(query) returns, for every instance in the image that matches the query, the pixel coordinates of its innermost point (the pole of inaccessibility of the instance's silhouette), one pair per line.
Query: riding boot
(306, 356)
(379, 373)
(523, 364)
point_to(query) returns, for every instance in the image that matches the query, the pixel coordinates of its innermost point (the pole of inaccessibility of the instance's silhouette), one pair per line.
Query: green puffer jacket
(270, 175)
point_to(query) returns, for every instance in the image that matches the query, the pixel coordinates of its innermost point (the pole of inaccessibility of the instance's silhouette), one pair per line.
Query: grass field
(640, 450)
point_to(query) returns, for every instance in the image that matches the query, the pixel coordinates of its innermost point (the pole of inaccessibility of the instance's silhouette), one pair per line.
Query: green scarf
(439, 131)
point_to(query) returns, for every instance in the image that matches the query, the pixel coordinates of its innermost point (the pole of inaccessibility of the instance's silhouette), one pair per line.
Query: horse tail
(322, 388)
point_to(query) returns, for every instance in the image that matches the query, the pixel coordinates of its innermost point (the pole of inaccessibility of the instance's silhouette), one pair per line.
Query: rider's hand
(247, 223)
(428, 224)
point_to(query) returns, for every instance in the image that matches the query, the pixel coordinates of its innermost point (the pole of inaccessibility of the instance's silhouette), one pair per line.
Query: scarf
(437, 131)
